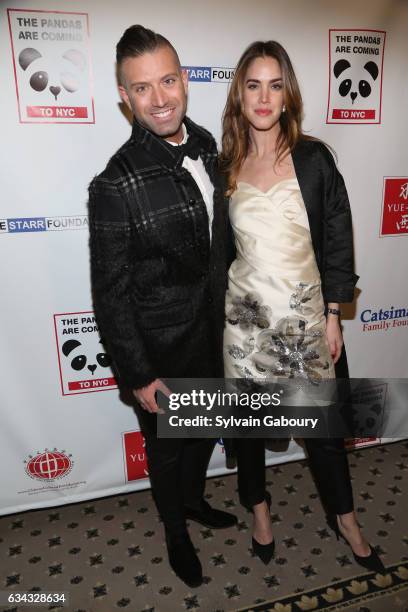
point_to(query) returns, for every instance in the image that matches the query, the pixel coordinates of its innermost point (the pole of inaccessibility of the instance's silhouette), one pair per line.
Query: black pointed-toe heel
(264, 551)
(372, 563)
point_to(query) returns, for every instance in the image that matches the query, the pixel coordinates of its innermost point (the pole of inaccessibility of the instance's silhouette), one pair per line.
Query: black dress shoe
(210, 517)
(183, 560)
(372, 562)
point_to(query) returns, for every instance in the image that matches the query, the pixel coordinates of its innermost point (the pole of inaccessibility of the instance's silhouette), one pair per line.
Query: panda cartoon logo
(354, 88)
(83, 360)
(52, 77)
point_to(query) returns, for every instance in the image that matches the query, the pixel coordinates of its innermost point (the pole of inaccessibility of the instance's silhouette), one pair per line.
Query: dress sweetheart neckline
(293, 178)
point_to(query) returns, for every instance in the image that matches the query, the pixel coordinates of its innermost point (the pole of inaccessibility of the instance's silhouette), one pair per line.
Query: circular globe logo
(49, 465)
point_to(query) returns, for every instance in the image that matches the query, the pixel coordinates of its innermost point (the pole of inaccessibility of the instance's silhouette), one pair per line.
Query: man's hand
(334, 336)
(146, 396)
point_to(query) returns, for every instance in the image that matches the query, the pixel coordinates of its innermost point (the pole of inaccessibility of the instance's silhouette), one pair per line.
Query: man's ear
(184, 77)
(124, 96)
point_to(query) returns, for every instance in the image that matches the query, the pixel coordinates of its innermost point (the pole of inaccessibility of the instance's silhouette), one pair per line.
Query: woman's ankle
(260, 509)
(348, 521)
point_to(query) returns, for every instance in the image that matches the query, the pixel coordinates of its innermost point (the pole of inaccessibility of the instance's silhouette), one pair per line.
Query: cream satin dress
(275, 324)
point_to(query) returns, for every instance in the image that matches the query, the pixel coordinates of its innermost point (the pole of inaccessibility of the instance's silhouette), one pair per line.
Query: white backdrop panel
(46, 171)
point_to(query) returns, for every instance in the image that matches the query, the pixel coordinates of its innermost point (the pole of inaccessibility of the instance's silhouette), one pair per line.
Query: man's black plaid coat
(158, 285)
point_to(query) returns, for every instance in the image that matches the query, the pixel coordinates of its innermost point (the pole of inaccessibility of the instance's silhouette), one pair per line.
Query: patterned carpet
(109, 554)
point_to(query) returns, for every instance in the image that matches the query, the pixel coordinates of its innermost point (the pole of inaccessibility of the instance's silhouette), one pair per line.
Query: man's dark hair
(138, 40)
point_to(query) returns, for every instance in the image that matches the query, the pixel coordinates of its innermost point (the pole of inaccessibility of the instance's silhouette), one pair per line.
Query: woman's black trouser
(328, 463)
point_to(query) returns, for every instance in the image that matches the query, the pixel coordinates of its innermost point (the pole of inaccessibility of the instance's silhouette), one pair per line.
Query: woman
(292, 224)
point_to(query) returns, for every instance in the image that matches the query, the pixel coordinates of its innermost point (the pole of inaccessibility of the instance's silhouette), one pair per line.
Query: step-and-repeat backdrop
(65, 435)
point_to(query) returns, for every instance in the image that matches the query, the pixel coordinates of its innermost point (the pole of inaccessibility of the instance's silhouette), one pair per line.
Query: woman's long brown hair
(235, 137)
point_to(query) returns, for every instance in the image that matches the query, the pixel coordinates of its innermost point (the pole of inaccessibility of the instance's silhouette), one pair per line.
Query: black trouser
(328, 463)
(177, 471)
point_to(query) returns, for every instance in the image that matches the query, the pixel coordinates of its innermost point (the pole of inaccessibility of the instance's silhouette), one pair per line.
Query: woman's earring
(283, 109)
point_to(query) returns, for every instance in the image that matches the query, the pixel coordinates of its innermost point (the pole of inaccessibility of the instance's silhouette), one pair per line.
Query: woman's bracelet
(334, 311)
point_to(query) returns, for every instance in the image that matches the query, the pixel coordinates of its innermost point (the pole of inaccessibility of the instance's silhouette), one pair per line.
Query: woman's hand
(334, 336)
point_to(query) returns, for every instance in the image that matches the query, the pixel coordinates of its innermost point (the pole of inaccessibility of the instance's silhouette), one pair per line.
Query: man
(158, 224)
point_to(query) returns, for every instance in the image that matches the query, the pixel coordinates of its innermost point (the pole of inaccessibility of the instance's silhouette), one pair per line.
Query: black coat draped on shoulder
(328, 209)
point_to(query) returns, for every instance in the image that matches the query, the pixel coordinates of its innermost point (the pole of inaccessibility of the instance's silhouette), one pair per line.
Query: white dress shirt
(199, 174)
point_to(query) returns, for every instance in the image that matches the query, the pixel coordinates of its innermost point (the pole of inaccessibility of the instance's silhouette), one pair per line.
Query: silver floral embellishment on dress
(286, 350)
(303, 294)
(237, 352)
(244, 372)
(248, 312)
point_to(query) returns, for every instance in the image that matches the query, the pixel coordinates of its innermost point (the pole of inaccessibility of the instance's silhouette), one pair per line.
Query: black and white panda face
(53, 76)
(348, 86)
(80, 358)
